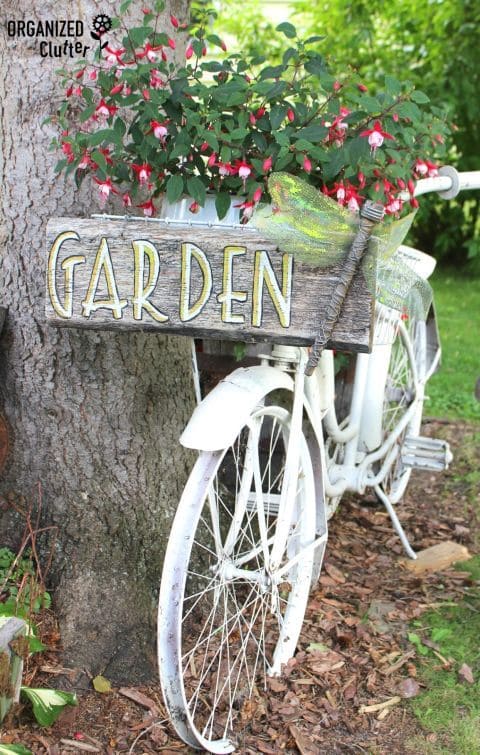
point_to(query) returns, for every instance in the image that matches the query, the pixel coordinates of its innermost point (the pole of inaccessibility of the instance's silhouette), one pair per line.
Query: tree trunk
(95, 417)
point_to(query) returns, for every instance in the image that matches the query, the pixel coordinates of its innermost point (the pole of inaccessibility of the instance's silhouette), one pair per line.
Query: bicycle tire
(225, 620)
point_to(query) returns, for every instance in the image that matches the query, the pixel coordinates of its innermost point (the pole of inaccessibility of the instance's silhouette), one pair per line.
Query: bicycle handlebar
(448, 183)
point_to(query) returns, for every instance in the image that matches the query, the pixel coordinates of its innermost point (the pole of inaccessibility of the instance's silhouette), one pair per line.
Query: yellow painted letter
(103, 261)
(141, 291)
(227, 295)
(189, 311)
(282, 300)
(64, 310)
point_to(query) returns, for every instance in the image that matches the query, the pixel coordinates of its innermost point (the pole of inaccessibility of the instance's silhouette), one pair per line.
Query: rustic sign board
(196, 280)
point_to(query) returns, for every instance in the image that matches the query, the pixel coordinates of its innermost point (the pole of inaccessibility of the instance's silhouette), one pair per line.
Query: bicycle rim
(227, 618)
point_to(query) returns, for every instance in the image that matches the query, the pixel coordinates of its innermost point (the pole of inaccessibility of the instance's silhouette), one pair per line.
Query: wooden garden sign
(217, 282)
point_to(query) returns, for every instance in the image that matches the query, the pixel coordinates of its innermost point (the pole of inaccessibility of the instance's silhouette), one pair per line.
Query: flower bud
(290, 115)
(307, 165)
(267, 164)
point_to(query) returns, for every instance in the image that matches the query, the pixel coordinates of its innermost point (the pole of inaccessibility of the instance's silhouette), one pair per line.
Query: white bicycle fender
(216, 422)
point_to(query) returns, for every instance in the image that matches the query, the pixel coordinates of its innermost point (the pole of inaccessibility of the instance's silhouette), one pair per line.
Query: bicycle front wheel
(228, 616)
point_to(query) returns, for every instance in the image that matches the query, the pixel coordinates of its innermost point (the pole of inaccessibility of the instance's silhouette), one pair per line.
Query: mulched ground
(354, 651)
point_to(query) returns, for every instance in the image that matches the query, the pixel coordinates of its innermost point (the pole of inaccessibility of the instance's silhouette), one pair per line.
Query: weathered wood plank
(11, 663)
(217, 282)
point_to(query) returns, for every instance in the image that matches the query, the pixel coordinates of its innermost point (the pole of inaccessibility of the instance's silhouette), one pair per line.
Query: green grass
(449, 707)
(457, 299)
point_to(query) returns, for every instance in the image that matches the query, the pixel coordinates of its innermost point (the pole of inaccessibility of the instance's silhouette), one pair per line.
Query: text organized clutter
(193, 280)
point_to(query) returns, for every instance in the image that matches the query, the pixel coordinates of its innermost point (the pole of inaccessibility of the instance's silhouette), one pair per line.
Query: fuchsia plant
(143, 125)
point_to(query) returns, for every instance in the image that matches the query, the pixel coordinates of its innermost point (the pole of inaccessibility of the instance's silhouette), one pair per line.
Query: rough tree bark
(94, 416)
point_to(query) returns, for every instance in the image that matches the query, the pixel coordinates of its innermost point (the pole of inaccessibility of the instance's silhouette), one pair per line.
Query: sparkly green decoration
(319, 232)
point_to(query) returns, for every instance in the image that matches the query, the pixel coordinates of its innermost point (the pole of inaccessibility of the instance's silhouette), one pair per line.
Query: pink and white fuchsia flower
(159, 129)
(376, 136)
(114, 56)
(424, 168)
(105, 187)
(148, 208)
(143, 173)
(149, 52)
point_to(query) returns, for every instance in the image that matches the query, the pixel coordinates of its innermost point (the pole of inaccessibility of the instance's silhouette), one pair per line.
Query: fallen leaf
(349, 692)
(276, 685)
(334, 573)
(102, 685)
(409, 687)
(465, 674)
(304, 744)
(263, 747)
(140, 698)
(317, 646)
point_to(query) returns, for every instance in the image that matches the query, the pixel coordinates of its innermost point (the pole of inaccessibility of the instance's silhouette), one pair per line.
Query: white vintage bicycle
(250, 531)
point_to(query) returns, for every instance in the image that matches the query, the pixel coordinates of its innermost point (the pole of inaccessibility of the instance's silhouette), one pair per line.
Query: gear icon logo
(101, 25)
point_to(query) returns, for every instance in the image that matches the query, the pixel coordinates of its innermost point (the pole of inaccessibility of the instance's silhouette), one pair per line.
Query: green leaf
(222, 204)
(284, 160)
(104, 135)
(409, 110)
(119, 127)
(304, 145)
(238, 134)
(287, 29)
(215, 40)
(99, 159)
(196, 189)
(277, 115)
(440, 633)
(370, 104)
(271, 72)
(357, 149)
(139, 35)
(259, 141)
(211, 140)
(415, 640)
(19, 749)
(174, 187)
(392, 85)
(35, 645)
(313, 133)
(315, 65)
(420, 97)
(48, 703)
(335, 164)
